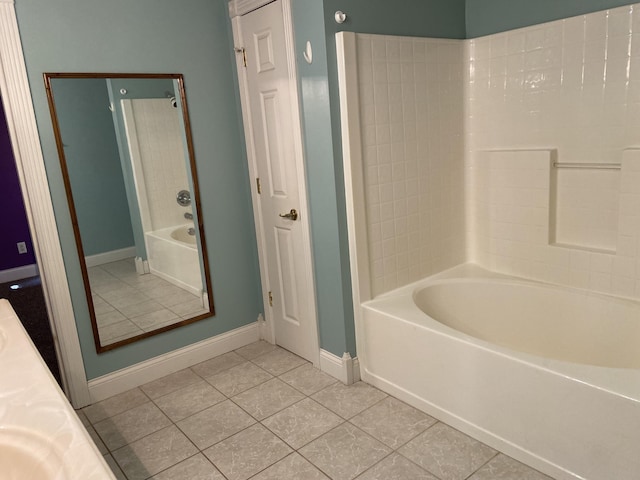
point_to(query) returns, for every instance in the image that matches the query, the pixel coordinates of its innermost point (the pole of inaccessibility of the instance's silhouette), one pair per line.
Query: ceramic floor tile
(506, 468)
(167, 290)
(97, 273)
(215, 424)
(171, 301)
(109, 289)
(121, 299)
(239, 378)
(100, 306)
(131, 425)
(267, 398)
(344, 452)
(170, 383)
(148, 281)
(278, 361)
(194, 468)
(102, 448)
(82, 417)
(218, 364)
(292, 467)
(255, 349)
(115, 405)
(189, 400)
(113, 465)
(307, 379)
(393, 422)
(302, 422)
(110, 316)
(118, 331)
(348, 400)
(188, 308)
(120, 267)
(153, 320)
(141, 308)
(396, 467)
(247, 453)
(154, 453)
(447, 453)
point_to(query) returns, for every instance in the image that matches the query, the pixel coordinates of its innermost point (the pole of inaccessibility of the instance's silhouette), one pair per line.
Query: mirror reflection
(127, 159)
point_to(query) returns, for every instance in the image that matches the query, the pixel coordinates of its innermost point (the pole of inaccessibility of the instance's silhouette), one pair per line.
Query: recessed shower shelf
(585, 206)
(589, 166)
(583, 248)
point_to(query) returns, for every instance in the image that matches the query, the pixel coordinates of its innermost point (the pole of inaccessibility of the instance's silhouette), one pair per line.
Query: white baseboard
(142, 266)
(345, 369)
(18, 273)
(157, 367)
(108, 257)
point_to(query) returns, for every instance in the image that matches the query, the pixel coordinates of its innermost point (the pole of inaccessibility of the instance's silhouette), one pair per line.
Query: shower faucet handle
(188, 216)
(183, 198)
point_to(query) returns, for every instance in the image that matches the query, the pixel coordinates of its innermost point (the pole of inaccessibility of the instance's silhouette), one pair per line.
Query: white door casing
(16, 96)
(268, 89)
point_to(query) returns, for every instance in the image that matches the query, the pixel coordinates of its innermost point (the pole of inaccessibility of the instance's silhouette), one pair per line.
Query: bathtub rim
(165, 234)
(399, 304)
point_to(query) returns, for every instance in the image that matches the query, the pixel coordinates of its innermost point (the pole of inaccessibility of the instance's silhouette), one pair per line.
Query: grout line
(343, 422)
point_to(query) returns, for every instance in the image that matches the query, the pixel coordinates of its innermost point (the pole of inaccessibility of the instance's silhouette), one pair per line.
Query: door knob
(292, 215)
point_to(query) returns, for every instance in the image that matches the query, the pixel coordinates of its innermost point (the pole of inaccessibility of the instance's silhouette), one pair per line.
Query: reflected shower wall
(157, 154)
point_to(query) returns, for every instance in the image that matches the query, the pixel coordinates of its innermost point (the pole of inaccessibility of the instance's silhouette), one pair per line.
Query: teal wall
(191, 37)
(93, 162)
(331, 265)
(484, 17)
(314, 21)
(420, 18)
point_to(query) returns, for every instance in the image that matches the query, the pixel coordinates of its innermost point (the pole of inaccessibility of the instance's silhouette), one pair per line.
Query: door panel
(278, 163)
(274, 156)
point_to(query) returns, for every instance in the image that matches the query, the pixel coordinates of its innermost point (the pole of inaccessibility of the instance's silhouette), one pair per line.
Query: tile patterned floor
(129, 304)
(262, 413)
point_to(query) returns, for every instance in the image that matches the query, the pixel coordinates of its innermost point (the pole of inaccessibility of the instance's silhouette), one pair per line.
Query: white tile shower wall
(163, 160)
(573, 86)
(412, 116)
(511, 206)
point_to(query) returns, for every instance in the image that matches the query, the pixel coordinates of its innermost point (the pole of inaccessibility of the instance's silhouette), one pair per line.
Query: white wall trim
(240, 7)
(18, 273)
(157, 367)
(108, 257)
(354, 183)
(345, 369)
(267, 330)
(21, 120)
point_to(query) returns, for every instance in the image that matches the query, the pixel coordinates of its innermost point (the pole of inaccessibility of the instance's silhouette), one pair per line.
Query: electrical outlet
(22, 247)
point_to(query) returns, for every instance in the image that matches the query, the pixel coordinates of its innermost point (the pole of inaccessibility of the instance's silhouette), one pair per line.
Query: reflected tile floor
(129, 304)
(262, 413)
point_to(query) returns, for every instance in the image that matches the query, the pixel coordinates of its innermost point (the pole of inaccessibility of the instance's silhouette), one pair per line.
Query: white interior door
(272, 128)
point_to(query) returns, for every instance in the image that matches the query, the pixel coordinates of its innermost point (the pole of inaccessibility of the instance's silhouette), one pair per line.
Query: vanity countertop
(41, 437)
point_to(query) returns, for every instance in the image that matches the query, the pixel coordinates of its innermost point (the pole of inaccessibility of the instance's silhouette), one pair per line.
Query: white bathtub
(173, 255)
(548, 375)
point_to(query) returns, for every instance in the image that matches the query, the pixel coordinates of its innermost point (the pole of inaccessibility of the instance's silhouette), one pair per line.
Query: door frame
(27, 150)
(237, 8)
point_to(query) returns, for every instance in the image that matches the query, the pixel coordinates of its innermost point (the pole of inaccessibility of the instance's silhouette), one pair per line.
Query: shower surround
(518, 151)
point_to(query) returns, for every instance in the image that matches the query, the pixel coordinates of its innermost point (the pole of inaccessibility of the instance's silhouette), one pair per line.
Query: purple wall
(14, 227)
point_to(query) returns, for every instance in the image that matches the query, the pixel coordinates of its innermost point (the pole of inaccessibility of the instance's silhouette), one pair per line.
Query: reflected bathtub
(548, 375)
(173, 255)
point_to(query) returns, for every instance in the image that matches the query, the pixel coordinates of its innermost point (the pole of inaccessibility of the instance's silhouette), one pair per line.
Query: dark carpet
(27, 300)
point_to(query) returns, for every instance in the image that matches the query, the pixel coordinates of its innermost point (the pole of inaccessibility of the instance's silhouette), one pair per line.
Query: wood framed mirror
(127, 160)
